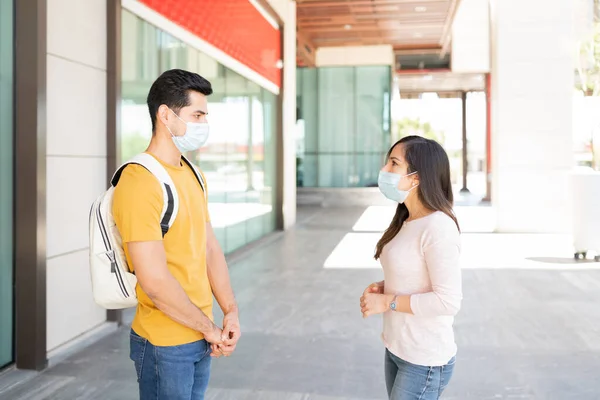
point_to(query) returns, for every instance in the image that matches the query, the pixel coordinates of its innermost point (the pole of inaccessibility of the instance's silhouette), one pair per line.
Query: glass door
(6, 183)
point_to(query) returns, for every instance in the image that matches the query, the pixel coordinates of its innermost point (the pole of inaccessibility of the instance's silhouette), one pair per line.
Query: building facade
(75, 76)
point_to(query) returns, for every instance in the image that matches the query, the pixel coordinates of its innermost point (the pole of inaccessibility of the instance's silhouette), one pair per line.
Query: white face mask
(388, 185)
(196, 135)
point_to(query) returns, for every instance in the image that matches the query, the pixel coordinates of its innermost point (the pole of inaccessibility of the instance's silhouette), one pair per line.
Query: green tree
(588, 69)
(132, 144)
(589, 62)
(414, 126)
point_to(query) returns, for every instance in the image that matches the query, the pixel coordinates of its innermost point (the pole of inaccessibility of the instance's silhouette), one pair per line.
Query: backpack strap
(170, 197)
(198, 176)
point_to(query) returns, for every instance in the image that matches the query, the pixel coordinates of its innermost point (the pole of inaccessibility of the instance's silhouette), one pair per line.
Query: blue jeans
(170, 372)
(406, 381)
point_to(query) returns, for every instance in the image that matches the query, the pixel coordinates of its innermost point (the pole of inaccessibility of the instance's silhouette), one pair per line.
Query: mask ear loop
(413, 186)
(169, 129)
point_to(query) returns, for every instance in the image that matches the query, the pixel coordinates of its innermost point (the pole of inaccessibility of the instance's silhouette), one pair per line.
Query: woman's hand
(376, 288)
(374, 303)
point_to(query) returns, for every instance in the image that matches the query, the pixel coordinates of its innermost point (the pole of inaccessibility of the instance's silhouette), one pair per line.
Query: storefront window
(343, 125)
(239, 157)
(6, 183)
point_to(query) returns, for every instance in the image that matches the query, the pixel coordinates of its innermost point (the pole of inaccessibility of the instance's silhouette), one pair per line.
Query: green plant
(589, 63)
(414, 126)
(588, 69)
(132, 144)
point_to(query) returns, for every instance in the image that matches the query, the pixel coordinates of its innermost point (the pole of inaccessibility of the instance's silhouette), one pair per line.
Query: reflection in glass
(139, 69)
(268, 194)
(337, 110)
(239, 159)
(343, 126)
(6, 183)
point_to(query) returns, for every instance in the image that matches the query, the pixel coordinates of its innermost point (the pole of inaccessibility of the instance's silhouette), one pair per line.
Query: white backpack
(112, 283)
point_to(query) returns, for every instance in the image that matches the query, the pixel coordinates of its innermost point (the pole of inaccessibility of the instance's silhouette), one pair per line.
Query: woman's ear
(415, 181)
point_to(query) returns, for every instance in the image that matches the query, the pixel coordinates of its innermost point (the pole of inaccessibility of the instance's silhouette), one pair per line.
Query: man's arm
(150, 265)
(218, 273)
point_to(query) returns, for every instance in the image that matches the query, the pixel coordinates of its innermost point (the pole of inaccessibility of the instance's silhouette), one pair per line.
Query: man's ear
(163, 114)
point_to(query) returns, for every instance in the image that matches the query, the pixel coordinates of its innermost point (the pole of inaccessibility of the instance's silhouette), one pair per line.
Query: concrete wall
(532, 94)
(287, 12)
(355, 56)
(76, 163)
(471, 37)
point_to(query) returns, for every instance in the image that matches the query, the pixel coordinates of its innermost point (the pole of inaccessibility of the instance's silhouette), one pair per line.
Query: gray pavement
(529, 327)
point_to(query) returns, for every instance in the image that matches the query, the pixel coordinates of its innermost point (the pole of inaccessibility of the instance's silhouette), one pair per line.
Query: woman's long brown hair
(429, 159)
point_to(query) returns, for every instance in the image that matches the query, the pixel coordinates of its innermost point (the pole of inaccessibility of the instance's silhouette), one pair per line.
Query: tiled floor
(529, 327)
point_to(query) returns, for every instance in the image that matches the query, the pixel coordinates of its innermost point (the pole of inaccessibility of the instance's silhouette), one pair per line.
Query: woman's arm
(443, 264)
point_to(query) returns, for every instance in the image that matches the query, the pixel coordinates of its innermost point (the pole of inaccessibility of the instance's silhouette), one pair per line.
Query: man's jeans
(171, 372)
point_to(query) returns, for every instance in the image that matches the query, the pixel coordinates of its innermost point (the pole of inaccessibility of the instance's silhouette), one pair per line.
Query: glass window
(372, 111)
(255, 163)
(140, 68)
(212, 158)
(239, 159)
(172, 53)
(343, 125)
(308, 106)
(6, 183)
(268, 194)
(236, 134)
(336, 110)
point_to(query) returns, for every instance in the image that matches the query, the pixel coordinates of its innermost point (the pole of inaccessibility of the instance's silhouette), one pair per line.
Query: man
(173, 335)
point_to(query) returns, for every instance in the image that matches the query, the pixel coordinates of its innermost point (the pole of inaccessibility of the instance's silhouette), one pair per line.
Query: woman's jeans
(406, 381)
(171, 372)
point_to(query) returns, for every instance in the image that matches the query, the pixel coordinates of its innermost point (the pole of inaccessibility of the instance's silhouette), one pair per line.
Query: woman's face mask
(388, 185)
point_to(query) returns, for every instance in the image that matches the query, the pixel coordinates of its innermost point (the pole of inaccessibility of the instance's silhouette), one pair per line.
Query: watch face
(393, 306)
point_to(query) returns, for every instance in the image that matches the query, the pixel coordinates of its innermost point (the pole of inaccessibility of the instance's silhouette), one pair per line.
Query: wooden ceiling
(405, 24)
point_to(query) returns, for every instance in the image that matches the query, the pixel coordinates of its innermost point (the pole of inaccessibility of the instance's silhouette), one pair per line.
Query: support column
(288, 115)
(113, 102)
(465, 150)
(250, 153)
(30, 188)
(532, 91)
(488, 140)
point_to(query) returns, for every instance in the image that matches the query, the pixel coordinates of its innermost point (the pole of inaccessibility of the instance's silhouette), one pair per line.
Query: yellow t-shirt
(137, 206)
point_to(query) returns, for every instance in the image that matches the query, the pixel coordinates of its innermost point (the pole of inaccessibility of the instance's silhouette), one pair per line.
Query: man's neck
(164, 148)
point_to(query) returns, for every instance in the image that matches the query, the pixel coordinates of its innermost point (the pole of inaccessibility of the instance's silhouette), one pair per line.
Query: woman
(421, 291)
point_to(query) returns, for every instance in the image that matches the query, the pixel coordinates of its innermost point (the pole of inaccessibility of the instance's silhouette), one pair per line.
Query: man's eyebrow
(200, 112)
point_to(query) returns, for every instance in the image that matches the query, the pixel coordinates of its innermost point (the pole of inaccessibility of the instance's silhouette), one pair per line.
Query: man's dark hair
(172, 89)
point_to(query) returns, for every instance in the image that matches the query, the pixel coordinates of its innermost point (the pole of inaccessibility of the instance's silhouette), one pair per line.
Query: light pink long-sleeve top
(423, 261)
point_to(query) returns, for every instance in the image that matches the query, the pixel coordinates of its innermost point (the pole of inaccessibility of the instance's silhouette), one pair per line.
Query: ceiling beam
(422, 28)
(447, 32)
(366, 22)
(305, 50)
(382, 18)
(353, 3)
(418, 48)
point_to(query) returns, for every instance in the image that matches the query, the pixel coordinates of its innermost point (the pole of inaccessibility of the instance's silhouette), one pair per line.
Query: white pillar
(76, 148)
(287, 12)
(532, 93)
(289, 118)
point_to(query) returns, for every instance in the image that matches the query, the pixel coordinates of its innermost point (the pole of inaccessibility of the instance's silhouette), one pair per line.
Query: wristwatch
(393, 304)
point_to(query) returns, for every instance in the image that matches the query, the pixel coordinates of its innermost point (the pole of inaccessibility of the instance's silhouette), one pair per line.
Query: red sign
(235, 27)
